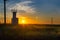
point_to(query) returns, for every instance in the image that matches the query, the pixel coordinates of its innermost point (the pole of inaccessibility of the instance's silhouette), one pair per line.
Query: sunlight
(22, 20)
(26, 20)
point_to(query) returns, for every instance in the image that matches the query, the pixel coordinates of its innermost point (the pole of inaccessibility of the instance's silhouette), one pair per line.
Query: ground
(29, 32)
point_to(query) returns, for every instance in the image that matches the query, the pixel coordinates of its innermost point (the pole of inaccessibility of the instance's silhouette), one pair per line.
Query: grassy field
(29, 32)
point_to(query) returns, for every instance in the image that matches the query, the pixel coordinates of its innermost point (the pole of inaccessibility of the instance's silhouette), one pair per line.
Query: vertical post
(4, 11)
(51, 20)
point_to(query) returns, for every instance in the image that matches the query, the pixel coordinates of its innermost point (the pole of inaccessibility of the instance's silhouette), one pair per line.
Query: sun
(26, 20)
(22, 20)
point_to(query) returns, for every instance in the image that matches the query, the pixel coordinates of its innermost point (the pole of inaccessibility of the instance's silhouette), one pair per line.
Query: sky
(39, 10)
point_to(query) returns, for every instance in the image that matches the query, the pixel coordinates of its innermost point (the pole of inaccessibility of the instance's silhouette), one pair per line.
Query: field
(29, 32)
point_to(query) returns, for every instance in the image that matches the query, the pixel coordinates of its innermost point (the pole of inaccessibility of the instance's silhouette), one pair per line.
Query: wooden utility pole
(51, 20)
(4, 11)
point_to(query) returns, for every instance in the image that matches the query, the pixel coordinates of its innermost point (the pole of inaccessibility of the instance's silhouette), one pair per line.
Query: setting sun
(26, 20)
(22, 20)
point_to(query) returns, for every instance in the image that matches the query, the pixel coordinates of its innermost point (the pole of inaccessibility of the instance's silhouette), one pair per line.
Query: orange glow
(22, 20)
(25, 20)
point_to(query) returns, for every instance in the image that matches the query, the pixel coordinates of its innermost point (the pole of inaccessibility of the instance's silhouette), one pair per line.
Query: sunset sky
(35, 11)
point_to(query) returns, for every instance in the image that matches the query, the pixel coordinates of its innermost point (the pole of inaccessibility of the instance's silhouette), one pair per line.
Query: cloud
(23, 6)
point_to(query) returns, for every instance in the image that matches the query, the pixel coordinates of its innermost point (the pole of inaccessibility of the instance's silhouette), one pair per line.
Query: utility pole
(51, 20)
(4, 11)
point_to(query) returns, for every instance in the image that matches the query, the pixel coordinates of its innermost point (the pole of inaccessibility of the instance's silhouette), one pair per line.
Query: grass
(30, 32)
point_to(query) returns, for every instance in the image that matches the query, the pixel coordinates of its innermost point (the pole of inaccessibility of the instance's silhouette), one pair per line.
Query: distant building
(14, 19)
